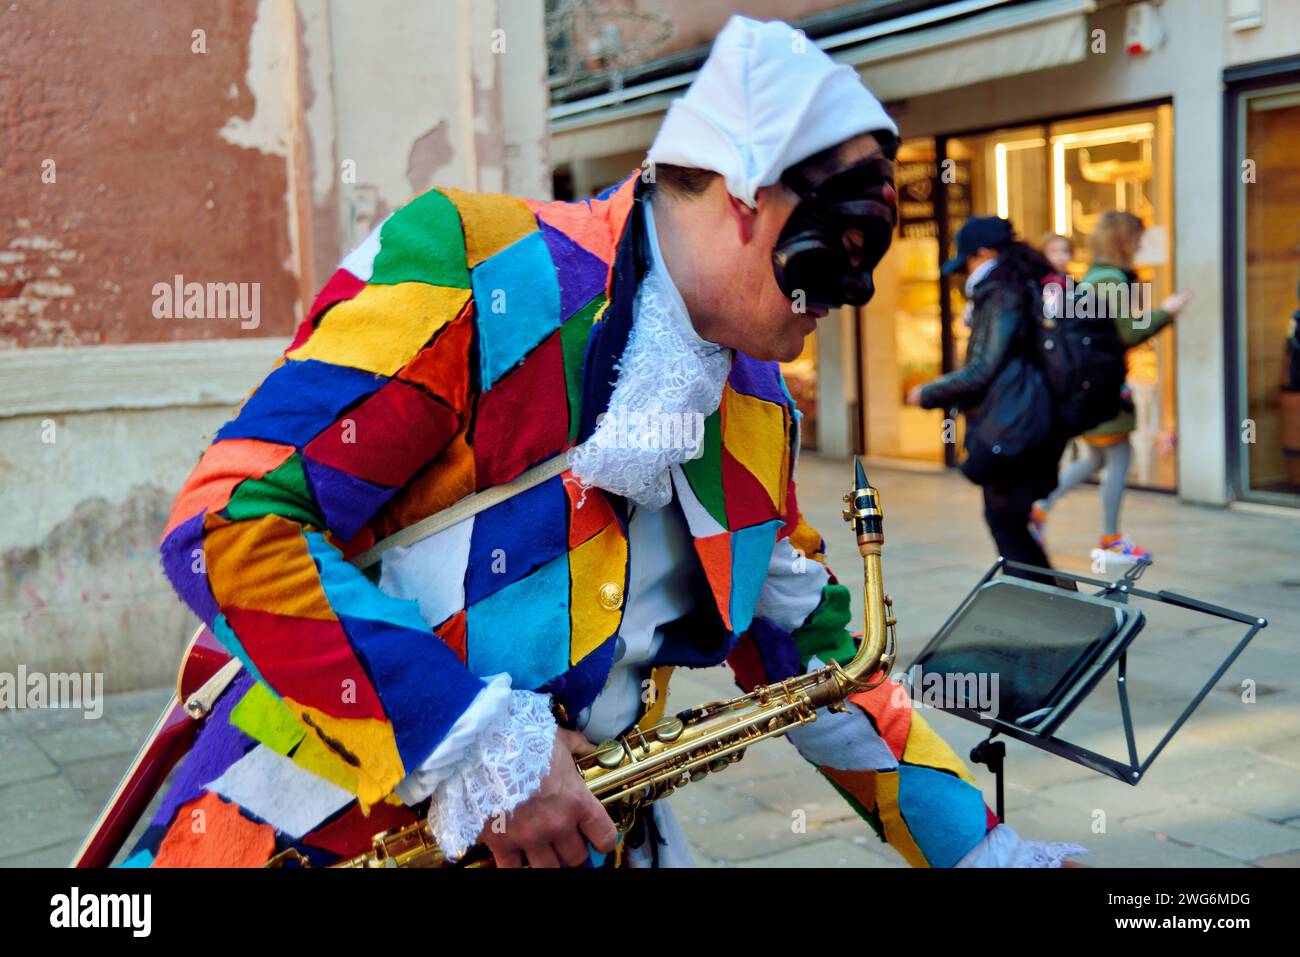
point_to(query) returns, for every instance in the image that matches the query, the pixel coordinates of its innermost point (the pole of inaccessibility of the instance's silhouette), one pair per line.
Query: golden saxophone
(646, 765)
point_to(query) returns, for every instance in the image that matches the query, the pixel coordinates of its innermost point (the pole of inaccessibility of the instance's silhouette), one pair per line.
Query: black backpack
(1082, 360)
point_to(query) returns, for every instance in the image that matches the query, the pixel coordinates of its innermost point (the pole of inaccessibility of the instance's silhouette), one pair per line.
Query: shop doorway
(1262, 290)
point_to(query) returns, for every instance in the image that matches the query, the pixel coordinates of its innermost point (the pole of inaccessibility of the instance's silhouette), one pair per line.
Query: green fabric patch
(705, 472)
(266, 718)
(283, 492)
(423, 242)
(825, 633)
(573, 343)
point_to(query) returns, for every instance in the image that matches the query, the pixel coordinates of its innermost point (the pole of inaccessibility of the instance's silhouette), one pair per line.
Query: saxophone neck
(864, 512)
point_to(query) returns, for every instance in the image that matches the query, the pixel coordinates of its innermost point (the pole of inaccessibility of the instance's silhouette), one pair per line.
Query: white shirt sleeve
(494, 758)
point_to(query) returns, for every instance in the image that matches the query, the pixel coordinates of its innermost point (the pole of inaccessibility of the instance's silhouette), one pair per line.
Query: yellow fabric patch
(383, 327)
(491, 222)
(264, 717)
(599, 560)
(659, 703)
(312, 755)
(750, 434)
(369, 740)
(264, 565)
(808, 540)
(891, 818)
(927, 749)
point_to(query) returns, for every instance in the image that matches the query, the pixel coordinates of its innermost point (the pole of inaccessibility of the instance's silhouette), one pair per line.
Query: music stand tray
(1055, 652)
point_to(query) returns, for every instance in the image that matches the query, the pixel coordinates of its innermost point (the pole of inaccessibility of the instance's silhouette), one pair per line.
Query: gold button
(611, 596)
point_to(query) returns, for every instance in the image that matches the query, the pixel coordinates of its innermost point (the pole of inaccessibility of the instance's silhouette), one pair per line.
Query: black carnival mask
(817, 254)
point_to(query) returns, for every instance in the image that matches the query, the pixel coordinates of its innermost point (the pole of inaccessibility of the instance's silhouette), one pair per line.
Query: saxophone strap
(201, 702)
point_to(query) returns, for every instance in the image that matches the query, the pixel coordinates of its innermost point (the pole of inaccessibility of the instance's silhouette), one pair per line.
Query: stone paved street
(1225, 793)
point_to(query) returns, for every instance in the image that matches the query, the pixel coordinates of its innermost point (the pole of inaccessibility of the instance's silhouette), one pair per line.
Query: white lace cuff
(1003, 847)
(498, 771)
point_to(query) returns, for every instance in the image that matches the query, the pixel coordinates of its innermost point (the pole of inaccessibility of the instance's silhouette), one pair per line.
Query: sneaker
(1117, 546)
(1037, 524)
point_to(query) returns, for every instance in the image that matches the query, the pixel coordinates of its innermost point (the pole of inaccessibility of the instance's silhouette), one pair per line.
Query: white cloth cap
(766, 98)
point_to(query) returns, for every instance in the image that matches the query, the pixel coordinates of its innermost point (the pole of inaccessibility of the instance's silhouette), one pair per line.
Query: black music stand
(1056, 644)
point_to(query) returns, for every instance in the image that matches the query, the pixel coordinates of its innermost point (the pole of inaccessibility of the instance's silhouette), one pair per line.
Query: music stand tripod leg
(992, 754)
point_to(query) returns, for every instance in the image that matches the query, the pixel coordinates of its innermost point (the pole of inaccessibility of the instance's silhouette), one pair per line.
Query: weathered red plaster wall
(145, 186)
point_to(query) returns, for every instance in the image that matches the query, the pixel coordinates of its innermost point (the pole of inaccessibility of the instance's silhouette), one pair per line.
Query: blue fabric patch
(139, 859)
(516, 305)
(523, 628)
(298, 401)
(579, 686)
(777, 648)
(351, 593)
(751, 550)
(512, 538)
(422, 684)
(945, 814)
(347, 502)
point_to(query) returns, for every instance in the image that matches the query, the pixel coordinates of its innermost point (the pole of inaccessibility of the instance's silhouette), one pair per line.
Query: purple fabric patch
(581, 275)
(347, 501)
(759, 379)
(218, 745)
(778, 648)
(178, 562)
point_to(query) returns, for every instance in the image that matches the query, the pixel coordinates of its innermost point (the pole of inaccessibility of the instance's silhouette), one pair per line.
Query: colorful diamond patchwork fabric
(461, 343)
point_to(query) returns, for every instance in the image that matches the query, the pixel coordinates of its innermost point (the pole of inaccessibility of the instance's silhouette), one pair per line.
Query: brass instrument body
(647, 765)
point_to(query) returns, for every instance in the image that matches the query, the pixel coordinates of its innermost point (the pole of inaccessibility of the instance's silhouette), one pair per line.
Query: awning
(945, 47)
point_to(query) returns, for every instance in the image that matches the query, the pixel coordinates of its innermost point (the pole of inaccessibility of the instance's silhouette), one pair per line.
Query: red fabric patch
(990, 819)
(594, 515)
(893, 722)
(216, 836)
(523, 418)
(747, 664)
(351, 834)
(747, 501)
(309, 661)
(452, 632)
(860, 784)
(342, 286)
(715, 556)
(443, 367)
(387, 438)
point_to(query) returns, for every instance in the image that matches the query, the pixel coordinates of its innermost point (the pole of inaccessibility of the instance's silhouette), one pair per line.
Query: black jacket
(1009, 408)
(1000, 329)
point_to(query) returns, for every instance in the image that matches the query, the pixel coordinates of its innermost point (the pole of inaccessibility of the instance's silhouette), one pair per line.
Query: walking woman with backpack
(1111, 283)
(1012, 442)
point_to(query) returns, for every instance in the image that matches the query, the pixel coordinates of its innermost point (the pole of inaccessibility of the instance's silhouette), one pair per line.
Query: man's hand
(552, 828)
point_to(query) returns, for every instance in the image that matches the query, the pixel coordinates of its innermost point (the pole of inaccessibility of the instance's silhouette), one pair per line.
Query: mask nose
(854, 241)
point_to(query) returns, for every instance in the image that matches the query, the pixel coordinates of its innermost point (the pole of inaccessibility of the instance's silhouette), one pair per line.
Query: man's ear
(744, 216)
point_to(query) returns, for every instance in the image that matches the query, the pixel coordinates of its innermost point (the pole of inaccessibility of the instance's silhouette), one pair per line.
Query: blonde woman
(1113, 243)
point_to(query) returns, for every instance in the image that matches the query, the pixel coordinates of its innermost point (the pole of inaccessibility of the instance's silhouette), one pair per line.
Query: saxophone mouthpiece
(862, 508)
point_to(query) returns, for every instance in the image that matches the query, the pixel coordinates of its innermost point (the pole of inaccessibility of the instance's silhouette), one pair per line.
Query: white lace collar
(669, 381)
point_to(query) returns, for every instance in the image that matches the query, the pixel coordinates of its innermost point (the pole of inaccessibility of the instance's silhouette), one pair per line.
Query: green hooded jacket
(1106, 280)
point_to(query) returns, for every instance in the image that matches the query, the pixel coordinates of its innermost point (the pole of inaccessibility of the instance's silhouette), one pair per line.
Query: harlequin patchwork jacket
(468, 338)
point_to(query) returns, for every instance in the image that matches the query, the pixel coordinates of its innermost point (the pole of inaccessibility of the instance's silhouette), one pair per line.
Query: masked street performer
(469, 338)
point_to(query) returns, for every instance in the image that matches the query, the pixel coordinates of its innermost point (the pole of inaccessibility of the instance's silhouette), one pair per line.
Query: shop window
(1268, 300)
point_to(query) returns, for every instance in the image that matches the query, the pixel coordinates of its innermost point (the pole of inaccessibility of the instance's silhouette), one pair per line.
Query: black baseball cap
(975, 234)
